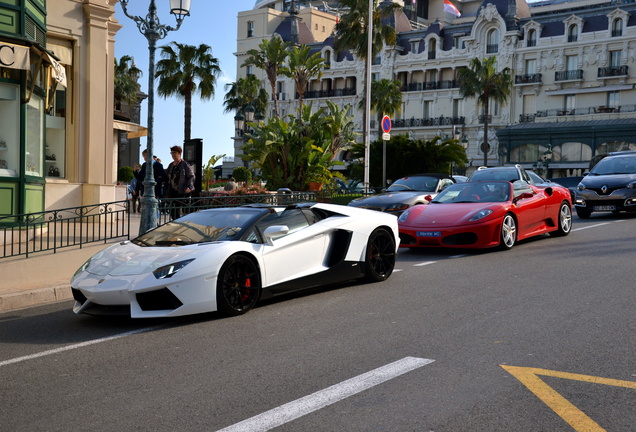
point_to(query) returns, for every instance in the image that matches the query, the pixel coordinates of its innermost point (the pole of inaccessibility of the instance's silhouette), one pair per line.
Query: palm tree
(270, 57)
(386, 99)
(302, 68)
(244, 92)
(126, 86)
(186, 70)
(480, 80)
(352, 32)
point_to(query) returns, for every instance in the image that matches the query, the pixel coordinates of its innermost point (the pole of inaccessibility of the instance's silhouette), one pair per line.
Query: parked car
(503, 173)
(226, 259)
(609, 186)
(405, 192)
(540, 181)
(486, 214)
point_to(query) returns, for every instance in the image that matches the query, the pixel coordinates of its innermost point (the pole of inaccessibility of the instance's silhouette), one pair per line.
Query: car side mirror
(523, 196)
(274, 232)
(585, 173)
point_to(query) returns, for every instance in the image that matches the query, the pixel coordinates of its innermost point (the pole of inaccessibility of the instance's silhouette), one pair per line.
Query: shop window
(34, 136)
(614, 146)
(56, 134)
(9, 130)
(571, 152)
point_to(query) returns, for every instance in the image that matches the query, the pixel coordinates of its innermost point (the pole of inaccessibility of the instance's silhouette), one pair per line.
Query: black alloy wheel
(238, 286)
(380, 259)
(583, 212)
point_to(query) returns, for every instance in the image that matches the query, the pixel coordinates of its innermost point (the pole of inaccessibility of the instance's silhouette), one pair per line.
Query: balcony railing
(314, 94)
(482, 118)
(432, 85)
(569, 75)
(573, 38)
(528, 79)
(280, 96)
(493, 48)
(431, 55)
(585, 111)
(612, 71)
(526, 118)
(532, 42)
(424, 122)
(617, 33)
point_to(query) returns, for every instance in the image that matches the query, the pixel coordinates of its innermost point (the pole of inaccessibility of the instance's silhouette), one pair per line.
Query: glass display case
(34, 136)
(9, 130)
(56, 135)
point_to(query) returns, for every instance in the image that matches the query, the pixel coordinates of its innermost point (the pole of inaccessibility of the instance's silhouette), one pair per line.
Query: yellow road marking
(568, 412)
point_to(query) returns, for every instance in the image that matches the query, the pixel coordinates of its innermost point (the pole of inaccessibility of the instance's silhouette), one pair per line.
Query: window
(294, 219)
(457, 108)
(458, 43)
(378, 59)
(493, 41)
(248, 70)
(531, 67)
(572, 62)
(10, 127)
(617, 28)
(323, 29)
(327, 58)
(569, 102)
(415, 47)
(428, 109)
(431, 49)
(615, 58)
(35, 137)
(316, 28)
(573, 33)
(528, 104)
(250, 28)
(375, 76)
(613, 99)
(532, 38)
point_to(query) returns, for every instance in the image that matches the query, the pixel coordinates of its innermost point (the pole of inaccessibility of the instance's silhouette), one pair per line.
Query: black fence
(25, 234)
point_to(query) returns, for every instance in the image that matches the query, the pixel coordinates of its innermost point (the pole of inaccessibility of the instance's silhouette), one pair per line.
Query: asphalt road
(539, 338)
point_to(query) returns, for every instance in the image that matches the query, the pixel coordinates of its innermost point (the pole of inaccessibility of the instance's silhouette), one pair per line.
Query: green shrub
(125, 174)
(241, 174)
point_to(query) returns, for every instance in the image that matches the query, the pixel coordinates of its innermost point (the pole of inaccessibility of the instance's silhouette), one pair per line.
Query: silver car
(610, 186)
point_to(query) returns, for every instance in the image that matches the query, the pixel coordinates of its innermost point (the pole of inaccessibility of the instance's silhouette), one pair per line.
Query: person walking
(180, 181)
(158, 173)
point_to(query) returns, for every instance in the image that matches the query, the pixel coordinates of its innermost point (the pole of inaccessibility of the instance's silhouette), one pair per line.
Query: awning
(14, 56)
(65, 54)
(589, 90)
(58, 71)
(134, 130)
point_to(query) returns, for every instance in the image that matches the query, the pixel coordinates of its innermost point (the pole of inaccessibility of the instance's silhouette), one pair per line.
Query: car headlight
(397, 207)
(581, 186)
(83, 267)
(632, 185)
(404, 216)
(170, 269)
(480, 215)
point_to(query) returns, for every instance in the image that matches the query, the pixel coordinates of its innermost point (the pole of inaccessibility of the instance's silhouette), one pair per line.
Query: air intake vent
(34, 32)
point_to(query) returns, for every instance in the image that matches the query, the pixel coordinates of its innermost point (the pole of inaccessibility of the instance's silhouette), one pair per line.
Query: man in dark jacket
(180, 180)
(158, 173)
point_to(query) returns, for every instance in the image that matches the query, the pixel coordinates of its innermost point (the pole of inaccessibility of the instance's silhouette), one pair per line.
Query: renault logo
(604, 189)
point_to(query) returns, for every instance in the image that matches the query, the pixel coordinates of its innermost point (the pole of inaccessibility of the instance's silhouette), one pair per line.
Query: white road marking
(457, 256)
(591, 226)
(424, 263)
(74, 346)
(396, 270)
(308, 404)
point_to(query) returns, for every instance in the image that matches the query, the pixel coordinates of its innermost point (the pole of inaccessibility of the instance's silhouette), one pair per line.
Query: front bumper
(621, 200)
(475, 236)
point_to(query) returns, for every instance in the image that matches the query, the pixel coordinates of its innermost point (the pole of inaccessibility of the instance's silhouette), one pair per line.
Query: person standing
(158, 173)
(180, 180)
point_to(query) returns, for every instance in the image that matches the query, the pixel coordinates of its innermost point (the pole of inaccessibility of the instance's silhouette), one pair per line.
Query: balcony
(612, 71)
(532, 43)
(431, 85)
(482, 118)
(315, 94)
(280, 96)
(528, 79)
(573, 38)
(425, 122)
(584, 111)
(617, 33)
(431, 55)
(569, 75)
(491, 49)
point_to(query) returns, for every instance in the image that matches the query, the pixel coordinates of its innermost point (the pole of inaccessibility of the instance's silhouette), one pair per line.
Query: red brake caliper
(248, 284)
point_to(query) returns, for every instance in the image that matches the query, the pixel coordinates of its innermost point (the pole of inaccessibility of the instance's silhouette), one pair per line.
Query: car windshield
(200, 227)
(415, 183)
(536, 177)
(481, 192)
(615, 165)
(495, 174)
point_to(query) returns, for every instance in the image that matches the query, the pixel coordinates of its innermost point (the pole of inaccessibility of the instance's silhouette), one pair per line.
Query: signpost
(386, 136)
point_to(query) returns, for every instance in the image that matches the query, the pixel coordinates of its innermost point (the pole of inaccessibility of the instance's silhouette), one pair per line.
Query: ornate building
(573, 86)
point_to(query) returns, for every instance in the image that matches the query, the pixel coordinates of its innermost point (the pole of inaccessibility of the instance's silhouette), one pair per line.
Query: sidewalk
(45, 276)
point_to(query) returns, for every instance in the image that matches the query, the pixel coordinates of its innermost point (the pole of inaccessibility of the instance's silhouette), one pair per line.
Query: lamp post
(153, 31)
(544, 161)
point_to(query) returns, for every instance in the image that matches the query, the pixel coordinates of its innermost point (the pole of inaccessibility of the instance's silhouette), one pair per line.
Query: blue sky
(212, 22)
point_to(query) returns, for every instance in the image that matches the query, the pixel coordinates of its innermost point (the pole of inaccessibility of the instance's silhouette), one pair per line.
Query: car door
(299, 253)
(530, 211)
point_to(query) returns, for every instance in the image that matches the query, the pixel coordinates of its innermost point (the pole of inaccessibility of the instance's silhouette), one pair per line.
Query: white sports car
(227, 259)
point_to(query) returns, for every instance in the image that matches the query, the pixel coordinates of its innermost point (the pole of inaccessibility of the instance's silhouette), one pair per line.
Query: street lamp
(153, 31)
(465, 143)
(239, 121)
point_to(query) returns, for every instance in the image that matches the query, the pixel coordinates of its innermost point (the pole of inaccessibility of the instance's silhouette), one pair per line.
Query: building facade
(58, 140)
(572, 64)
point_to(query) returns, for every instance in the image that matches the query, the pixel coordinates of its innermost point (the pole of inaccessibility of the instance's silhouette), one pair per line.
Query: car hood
(611, 181)
(129, 259)
(437, 215)
(392, 198)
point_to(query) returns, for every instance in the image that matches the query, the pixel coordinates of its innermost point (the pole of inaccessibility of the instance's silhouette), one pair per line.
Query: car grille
(162, 299)
(78, 296)
(609, 190)
(406, 239)
(467, 238)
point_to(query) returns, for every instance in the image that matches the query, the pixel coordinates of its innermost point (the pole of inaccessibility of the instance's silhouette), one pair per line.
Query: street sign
(386, 136)
(386, 124)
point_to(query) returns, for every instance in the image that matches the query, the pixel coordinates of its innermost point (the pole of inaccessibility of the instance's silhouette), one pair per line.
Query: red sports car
(487, 214)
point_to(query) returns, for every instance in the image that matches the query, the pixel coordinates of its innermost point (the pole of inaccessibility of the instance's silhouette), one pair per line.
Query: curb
(35, 297)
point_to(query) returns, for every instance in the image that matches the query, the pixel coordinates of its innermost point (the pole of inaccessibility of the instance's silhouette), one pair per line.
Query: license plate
(429, 233)
(605, 208)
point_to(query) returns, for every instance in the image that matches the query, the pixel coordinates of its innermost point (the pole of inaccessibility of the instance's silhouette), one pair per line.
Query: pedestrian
(231, 185)
(180, 181)
(158, 173)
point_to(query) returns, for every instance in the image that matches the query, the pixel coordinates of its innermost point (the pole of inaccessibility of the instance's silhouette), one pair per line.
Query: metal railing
(526, 118)
(424, 122)
(430, 85)
(580, 111)
(528, 79)
(612, 71)
(492, 48)
(314, 94)
(569, 75)
(482, 118)
(25, 234)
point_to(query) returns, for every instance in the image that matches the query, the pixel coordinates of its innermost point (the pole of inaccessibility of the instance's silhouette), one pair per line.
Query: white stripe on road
(457, 256)
(591, 226)
(396, 270)
(424, 263)
(75, 346)
(308, 404)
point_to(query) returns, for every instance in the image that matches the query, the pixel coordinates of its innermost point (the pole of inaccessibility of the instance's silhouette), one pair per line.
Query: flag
(449, 7)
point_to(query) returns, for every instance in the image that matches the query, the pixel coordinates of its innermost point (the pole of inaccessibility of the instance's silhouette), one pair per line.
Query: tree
(270, 57)
(126, 86)
(186, 70)
(243, 92)
(386, 99)
(407, 156)
(480, 80)
(353, 28)
(302, 68)
(208, 171)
